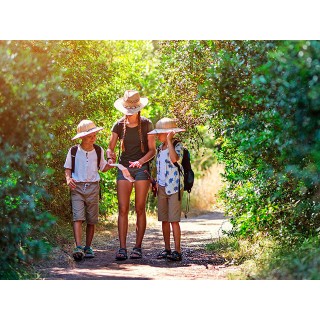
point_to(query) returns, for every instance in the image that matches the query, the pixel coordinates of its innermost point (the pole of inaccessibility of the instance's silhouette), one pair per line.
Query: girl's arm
(111, 156)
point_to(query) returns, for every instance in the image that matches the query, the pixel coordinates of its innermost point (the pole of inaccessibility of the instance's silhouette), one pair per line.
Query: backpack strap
(175, 142)
(74, 150)
(98, 151)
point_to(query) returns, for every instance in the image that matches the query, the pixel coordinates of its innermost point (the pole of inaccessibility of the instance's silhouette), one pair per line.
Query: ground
(197, 263)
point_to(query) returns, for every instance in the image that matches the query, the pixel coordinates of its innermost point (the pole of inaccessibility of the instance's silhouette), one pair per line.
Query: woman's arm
(111, 156)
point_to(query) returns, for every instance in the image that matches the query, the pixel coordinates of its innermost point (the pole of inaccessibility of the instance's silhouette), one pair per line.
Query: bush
(26, 105)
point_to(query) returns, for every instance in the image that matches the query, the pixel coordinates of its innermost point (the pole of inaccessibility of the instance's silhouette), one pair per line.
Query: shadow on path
(197, 263)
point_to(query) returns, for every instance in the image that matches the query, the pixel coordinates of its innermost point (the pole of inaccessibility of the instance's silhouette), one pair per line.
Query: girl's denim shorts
(136, 173)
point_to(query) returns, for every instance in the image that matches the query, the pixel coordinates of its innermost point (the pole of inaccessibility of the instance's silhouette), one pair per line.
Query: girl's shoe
(163, 254)
(122, 254)
(175, 256)
(136, 253)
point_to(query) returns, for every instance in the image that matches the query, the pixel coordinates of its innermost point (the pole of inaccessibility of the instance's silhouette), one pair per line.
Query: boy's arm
(174, 157)
(70, 181)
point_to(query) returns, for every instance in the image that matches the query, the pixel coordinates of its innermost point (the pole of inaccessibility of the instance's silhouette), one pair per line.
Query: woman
(137, 148)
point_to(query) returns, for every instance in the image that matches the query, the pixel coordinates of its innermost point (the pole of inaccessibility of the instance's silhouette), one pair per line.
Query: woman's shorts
(169, 206)
(136, 173)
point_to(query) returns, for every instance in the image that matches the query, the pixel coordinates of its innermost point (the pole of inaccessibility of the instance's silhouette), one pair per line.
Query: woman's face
(133, 117)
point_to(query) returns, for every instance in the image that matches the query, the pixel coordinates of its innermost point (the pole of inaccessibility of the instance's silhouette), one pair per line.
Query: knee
(123, 211)
(140, 210)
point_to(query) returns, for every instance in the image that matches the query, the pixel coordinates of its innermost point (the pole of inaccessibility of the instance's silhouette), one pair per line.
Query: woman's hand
(111, 157)
(135, 164)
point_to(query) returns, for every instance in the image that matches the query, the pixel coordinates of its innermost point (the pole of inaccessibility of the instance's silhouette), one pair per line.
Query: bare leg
(124, 189)
(166, 234)
(176, 235)
(89, 234)
(77, 232)
(141, 192)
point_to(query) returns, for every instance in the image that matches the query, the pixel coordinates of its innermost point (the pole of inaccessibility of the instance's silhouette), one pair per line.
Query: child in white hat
(170, 184)
(81, 171)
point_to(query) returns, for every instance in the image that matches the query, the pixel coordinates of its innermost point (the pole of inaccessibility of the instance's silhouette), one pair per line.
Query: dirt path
(196, 263)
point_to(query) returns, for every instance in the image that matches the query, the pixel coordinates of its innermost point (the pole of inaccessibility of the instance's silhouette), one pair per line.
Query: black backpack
(188, 174)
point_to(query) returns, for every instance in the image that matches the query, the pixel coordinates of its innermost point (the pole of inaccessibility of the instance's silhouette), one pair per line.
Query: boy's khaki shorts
(169, 206)
(85, 202)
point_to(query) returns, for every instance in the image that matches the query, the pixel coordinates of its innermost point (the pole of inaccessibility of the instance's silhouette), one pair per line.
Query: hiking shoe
(163, 254)
(88, 252)
(122, 254)
(78, 253)
(175, 256)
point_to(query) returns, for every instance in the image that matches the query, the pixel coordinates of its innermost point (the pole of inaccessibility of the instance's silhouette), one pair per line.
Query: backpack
(188, 174)
(74, 150)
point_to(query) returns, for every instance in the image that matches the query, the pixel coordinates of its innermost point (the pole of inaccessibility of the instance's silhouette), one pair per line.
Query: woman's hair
(125, 130)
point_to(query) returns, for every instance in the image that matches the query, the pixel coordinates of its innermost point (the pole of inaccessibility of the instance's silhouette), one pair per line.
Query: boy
(81, 172)
(169, 203)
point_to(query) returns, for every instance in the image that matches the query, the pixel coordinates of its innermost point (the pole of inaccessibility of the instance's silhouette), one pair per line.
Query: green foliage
(267, 258)
(47, 88)
(277, 147)
(261, 101)
(97, 73)
(26, 106)
(299, 261)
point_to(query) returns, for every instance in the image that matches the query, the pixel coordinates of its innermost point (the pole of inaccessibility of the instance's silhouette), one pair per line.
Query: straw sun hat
(130, 103)
(166, 125)
(86, 127)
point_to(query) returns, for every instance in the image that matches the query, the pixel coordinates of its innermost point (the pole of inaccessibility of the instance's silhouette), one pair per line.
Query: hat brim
(83, 134)
(157, 131)
(129, 112)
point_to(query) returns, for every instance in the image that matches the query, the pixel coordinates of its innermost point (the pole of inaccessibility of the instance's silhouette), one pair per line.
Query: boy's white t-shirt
(164, 155)
(86, 169)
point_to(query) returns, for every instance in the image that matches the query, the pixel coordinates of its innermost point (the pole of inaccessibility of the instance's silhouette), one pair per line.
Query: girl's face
(90, 138)
(133, 117)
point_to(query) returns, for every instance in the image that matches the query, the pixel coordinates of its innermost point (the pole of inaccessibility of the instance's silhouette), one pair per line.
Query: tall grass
(205, 190)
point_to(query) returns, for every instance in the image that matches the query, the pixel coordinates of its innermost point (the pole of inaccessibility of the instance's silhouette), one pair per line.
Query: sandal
(175, 256)
(163, 254)
(122, 254)
(136, 253)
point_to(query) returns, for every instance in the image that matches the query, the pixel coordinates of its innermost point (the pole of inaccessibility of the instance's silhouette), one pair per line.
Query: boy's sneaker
(88, 252)
(78, 253)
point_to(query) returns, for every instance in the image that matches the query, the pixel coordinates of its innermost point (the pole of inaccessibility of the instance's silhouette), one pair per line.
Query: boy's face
(162, 137)
(90, 138)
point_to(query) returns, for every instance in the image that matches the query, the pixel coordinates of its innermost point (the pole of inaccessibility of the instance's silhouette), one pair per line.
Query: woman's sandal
(136, 253)
(175, 256)
(163, 254)
(122, 254)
